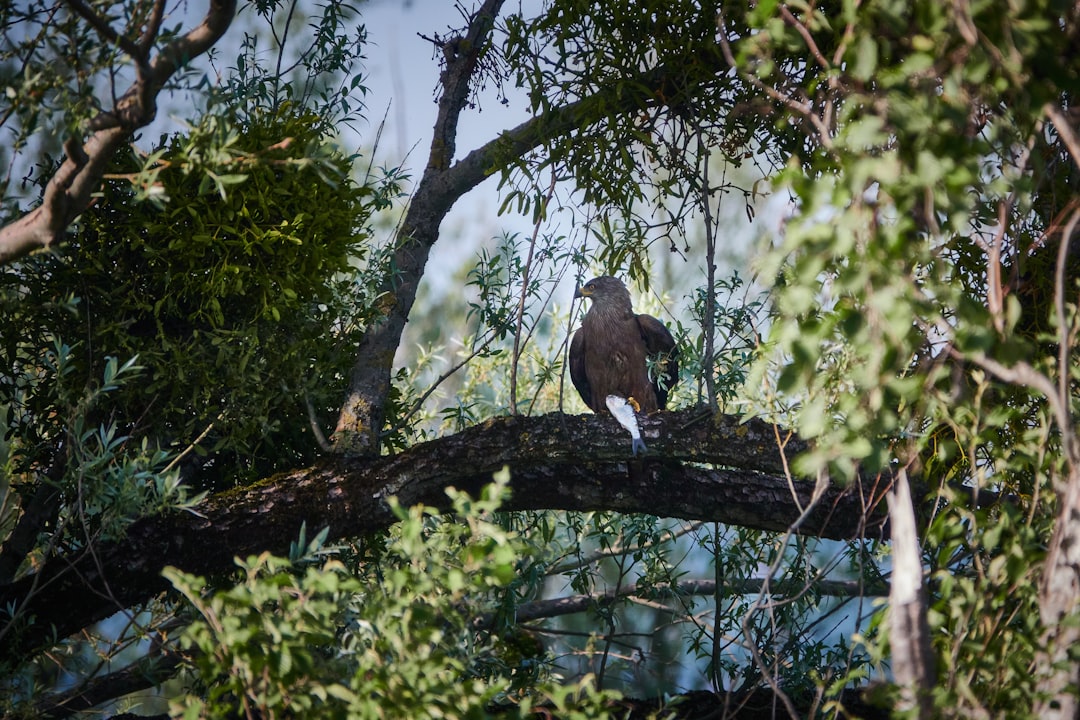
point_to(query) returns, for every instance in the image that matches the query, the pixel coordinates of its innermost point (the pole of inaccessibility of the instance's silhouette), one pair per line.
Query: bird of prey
(611, 353)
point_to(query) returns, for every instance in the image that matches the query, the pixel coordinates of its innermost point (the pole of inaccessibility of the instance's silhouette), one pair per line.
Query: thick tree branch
(71, 188)
(556, 462)
(361, 418)
(1059, 594)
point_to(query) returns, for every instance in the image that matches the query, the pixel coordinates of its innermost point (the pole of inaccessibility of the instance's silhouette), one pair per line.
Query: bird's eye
(589, 286)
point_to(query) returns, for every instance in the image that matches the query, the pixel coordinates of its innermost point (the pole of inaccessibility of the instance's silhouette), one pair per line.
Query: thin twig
(806, 36)
(556, 281)
(780, 445)
(802, 107)
(434, 386)
(541, 213)
(316, 430)
(616, 550)
(281, 46)
(99, 23)
(193, 444)
(1022, 373)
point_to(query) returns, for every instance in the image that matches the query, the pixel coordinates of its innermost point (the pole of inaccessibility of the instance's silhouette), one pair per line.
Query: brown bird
(610, 353)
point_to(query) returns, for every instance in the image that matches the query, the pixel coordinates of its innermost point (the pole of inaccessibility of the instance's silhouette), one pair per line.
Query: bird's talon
(634, 404)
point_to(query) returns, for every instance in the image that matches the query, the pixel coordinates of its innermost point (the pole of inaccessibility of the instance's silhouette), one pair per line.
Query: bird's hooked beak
(582, 292)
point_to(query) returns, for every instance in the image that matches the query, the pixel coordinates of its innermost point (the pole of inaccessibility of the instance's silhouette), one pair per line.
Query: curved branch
(105, 30)
(361, 419)
(71, 188)
(556, 462)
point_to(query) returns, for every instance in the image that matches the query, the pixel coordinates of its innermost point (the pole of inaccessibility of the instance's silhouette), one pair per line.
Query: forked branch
(71, 188)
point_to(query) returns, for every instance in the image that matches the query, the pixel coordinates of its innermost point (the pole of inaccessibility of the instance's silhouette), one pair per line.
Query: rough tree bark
(361, 418)
(1058, 601)
(556, 462)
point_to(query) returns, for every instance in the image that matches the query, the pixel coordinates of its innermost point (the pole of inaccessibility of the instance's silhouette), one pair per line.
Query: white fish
(622, 411)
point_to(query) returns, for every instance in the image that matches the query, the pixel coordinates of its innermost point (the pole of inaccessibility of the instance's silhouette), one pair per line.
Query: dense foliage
(201, 292)
(416, 629)
(918, 273)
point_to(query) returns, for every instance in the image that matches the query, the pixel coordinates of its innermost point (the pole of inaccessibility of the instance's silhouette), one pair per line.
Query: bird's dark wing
(660, 346)
(577, 367)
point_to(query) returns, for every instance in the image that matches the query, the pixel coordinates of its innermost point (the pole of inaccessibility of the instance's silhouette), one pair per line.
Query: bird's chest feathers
(615, 346)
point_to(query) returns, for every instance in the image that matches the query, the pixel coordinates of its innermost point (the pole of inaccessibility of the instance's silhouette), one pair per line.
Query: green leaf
(866, 58)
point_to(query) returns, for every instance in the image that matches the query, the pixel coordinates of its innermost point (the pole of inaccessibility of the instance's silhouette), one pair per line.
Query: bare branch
(146, 673)
(799, 106)
(1022, 373)
(619, 550)
(153, 25)
(105, 30)
(800, 28)
(361, 419)
(316, 430)
(1064, 346)
(1065, 131)
(572, 604)
(518, 330)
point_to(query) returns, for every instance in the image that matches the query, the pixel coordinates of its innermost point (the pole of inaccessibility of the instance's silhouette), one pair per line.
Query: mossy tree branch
(700, 467)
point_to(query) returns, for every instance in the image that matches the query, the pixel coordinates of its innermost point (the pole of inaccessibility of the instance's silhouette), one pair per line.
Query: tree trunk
(1059, 598)
(909, 633)
(361, 418)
